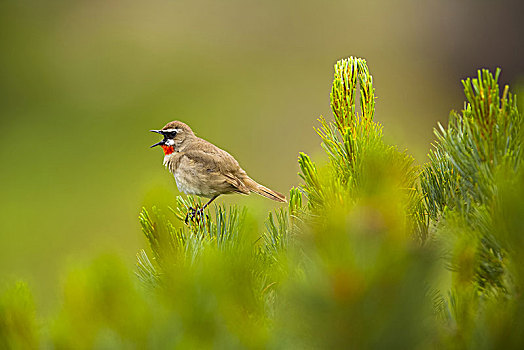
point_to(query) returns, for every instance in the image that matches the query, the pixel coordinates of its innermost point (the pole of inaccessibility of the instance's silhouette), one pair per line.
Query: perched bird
(203, 169)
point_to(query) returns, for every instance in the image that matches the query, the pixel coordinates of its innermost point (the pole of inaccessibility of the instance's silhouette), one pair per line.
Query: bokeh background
(82, 82)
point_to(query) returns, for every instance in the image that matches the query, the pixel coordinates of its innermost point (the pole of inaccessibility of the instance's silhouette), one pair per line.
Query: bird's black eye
(169, 134)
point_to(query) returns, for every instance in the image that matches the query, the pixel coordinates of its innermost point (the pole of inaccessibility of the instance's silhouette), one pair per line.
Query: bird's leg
(209, 202)
(201, 210)
(193, 213)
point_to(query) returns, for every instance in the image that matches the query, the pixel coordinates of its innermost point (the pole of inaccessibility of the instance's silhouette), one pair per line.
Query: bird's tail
(264, 191)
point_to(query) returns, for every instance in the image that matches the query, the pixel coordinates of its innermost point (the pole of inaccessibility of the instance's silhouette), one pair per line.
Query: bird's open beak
(161, 142)
(158, 144)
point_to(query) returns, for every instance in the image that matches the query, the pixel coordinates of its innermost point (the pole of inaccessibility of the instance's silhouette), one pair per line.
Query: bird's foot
(194, 214)
(191, 214)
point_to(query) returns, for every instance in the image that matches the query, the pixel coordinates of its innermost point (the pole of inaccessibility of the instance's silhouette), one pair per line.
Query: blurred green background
(82, 82)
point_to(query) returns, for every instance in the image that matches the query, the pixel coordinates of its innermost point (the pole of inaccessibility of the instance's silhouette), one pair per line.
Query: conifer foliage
(356, 150)
(480, 146)
(373, 250)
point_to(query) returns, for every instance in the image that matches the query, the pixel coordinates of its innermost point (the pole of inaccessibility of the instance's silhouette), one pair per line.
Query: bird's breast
(185, 182)
(190, 182)
(193, 178)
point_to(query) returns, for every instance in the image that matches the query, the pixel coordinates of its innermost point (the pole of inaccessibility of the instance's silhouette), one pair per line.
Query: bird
(201, 168)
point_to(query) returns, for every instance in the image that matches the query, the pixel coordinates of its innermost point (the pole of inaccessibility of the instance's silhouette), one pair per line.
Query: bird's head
(176, 134)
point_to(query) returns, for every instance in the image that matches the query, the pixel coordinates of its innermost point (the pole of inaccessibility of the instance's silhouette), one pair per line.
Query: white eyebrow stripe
(171, 130)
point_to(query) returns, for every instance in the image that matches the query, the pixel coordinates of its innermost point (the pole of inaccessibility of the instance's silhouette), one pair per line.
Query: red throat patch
(168, 149)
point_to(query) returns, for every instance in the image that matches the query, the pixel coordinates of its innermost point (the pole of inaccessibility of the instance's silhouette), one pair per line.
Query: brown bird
(203, 169)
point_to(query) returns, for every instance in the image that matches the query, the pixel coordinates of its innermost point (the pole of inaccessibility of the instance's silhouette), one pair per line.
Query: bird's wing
(218, 164)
